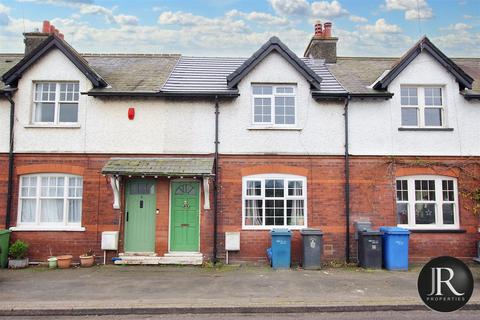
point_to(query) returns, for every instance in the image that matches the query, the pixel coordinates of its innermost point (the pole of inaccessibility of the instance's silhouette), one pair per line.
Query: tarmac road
(404, 315)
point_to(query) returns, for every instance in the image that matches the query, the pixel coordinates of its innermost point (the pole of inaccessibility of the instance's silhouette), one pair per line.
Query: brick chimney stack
(33, 39)
(322, 45)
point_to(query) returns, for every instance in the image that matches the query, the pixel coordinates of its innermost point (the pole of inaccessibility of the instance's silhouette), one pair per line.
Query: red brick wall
(3, 187)
(372, 197)
(97, 212)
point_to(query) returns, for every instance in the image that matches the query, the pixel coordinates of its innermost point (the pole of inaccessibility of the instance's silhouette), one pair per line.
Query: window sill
(438, 230)
(273, 128)
(33, 228)
(244, 228)
(54, 126)
(424, 129)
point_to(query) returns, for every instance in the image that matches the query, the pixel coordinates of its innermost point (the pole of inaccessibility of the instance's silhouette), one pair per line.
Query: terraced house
(174, 151)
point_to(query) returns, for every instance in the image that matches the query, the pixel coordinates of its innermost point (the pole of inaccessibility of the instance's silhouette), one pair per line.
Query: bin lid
(5, 231)
(281, 232)
(371, 233)
(311, 232)
(394, 230)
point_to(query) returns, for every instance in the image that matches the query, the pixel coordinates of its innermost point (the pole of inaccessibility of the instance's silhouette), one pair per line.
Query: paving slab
(238, 288)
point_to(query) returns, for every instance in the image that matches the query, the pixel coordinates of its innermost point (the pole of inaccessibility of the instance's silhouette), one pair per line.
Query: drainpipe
(347, 184)
(11, 158)
(215, 185)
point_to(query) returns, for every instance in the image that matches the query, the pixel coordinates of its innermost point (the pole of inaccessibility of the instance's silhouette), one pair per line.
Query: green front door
(140, 216)
(184, 220)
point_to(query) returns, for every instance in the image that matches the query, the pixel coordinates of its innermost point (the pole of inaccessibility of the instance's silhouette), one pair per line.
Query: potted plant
(52, 262)
(18, 255)
(87, 259)
(64, 262)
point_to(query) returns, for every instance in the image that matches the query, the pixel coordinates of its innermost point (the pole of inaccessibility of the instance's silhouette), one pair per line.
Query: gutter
(349, 95)
(347, 184)
(470, 95)
(201, 94)
(11, 158)
(216, 185)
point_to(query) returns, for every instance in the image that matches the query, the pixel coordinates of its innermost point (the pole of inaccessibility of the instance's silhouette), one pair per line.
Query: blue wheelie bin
(281, 248)
(395, 248)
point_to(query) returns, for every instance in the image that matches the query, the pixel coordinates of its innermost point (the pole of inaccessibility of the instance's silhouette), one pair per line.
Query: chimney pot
(322, 46)
(327, 33)
(46, 26)
(318, 29)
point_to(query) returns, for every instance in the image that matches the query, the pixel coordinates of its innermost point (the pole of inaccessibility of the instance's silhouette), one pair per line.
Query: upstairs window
(427, 202)
(274, 105)
(56, 102)
(422, 106)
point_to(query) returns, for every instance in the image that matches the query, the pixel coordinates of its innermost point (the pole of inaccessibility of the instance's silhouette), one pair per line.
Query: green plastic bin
(4, 240)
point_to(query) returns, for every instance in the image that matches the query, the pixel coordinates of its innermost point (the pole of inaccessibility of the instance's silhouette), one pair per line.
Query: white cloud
(381, 26)
(290, 7)
(86, 7)
(301, 8)
(459, 43)
(414, 9)
(358, 19)
(212, 25)
(325, 9)
(460, 26)
(259, 17)
(4, 8)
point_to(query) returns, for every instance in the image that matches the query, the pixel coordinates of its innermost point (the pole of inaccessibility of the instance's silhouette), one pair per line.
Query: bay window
(274, 201)
(50, 201)
(427, 202)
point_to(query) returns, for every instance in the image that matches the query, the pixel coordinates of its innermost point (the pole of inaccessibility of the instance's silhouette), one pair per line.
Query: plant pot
(87, 261)
(18, 263)
(52, 262)
(64, 262)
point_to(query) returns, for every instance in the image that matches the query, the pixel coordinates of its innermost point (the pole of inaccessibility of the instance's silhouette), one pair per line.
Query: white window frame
(57, 102)
(48, 226)
(421, 107)
(438, 203)
(272, 107)
(286, 178)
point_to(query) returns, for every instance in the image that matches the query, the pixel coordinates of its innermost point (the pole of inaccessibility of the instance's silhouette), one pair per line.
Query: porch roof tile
(159, 166)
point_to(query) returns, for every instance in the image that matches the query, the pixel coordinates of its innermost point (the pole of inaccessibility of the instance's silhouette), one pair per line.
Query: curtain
(74, 210)
(51, 210)
(28, 210)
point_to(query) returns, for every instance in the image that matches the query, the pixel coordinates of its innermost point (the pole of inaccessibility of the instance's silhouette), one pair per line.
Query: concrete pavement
(170, 289)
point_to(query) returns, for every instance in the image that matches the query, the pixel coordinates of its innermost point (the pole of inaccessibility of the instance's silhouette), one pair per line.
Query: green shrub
(18, 250)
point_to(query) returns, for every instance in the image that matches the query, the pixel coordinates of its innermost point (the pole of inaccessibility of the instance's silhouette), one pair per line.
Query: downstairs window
(427, 202)
(274, 201)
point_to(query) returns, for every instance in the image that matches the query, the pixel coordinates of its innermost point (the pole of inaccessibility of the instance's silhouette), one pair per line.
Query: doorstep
(179, 258)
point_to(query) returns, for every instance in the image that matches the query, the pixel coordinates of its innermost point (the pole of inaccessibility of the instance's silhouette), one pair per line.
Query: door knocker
(185, 204)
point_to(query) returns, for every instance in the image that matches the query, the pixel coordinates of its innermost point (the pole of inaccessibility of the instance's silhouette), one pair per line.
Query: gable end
(274, 44)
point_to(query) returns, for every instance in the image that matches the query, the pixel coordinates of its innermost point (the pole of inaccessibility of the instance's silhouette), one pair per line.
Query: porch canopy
(185, 167)
(156, 167)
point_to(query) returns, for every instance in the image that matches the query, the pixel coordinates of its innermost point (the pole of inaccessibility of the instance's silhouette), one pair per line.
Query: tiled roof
(159, 166)
(356, 74)
(7, 61)
(133, 72)
(209, 74)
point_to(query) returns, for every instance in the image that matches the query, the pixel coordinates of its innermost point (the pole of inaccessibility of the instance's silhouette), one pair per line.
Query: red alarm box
(131, 113)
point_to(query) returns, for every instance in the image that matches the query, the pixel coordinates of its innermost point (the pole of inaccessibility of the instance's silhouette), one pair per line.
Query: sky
(239, 27)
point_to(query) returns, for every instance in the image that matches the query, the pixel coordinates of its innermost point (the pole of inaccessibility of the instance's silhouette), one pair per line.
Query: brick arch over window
(413, 171)
(248, 171)
(48, 168)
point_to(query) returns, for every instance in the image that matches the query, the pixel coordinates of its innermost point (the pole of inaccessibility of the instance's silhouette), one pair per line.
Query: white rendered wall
(319, 128)
(374, 123)
(5, 124)
(173, 126)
